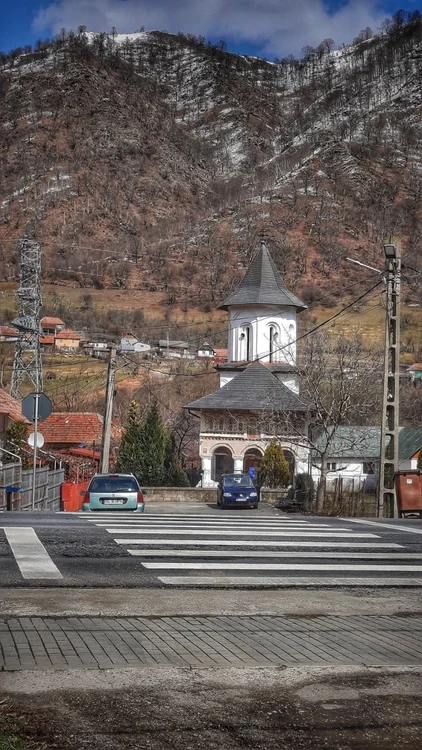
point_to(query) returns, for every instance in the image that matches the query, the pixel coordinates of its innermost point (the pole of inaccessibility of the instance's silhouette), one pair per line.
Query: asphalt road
(200, 546)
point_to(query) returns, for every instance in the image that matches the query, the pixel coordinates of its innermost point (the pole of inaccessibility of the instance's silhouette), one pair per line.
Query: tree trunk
(322, 486)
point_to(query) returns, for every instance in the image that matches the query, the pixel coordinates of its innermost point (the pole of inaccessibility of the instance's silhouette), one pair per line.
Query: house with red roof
(75, 432)
(67, 340)
(10, 411)
(51, 326)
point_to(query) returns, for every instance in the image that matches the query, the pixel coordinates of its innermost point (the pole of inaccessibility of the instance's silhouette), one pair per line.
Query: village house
(8, 334)
(259, 395)
(354, 454)
(51, 326)
(10, 411)
(78, 433)
(205, 351)
(130, 343)
(67, 340)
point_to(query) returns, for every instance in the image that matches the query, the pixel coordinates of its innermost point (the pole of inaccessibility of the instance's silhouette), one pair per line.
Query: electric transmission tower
(27, 360)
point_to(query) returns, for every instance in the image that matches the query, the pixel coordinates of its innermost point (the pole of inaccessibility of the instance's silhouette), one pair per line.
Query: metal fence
(47, 488)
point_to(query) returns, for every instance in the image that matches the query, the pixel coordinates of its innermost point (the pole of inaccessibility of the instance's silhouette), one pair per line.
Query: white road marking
(235, 527)
(282, 566)
(275, 553)
(385, 526)
(30, 554)
(257, 543)
(231, 532)
(280, 582)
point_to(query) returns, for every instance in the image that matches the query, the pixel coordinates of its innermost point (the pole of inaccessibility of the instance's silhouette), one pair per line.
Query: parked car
(237, 489)
(114, 492)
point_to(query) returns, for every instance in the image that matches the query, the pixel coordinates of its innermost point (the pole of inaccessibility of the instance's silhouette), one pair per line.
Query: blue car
(114, 492)
(237, 489)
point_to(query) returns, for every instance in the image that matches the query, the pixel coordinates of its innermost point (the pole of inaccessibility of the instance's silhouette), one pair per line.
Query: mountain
(154, 161)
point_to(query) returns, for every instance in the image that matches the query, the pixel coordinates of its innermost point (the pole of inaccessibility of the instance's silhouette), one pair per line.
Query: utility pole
(105, 442)
(389, 447)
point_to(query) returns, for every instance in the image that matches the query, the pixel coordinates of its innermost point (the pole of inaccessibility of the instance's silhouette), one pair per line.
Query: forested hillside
(154, 161)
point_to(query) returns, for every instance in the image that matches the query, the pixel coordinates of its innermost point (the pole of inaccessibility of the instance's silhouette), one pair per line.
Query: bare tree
(341, 377)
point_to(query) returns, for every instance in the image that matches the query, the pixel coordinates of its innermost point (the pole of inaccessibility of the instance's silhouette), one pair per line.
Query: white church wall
(259, 323)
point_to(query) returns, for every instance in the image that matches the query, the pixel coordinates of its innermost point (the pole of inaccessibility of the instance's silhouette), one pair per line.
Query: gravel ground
(267, 709)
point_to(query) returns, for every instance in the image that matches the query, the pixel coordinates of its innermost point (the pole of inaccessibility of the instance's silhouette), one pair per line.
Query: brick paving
(212, 641)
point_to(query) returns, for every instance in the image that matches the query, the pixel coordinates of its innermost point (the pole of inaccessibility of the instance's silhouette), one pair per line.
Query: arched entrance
(252, 457)
(222, 462)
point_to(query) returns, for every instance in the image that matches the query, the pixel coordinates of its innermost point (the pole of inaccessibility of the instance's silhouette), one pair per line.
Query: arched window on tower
(246, 344)
(274, 342)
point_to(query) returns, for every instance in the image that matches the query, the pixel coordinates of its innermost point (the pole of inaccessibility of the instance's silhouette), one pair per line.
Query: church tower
(262, 321)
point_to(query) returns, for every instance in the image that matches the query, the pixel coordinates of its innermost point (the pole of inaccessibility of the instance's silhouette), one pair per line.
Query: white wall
(259, 320)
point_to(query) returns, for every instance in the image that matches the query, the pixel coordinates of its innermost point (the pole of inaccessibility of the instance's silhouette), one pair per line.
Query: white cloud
(278, 27)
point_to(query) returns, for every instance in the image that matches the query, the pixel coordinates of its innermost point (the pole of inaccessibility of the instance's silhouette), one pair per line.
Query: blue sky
(262, 27)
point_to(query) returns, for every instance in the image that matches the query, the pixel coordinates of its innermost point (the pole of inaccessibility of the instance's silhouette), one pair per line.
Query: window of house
(368, 467)
(273, 342)
(332, 466)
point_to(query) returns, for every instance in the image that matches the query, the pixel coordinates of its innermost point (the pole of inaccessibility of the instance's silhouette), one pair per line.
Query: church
(259, 395)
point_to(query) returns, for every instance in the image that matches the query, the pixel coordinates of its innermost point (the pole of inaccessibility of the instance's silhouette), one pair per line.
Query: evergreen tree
(154, 449)
(275, 471)
(129, 458)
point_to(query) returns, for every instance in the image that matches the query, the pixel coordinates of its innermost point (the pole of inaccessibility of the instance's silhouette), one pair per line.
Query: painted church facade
(259, 395)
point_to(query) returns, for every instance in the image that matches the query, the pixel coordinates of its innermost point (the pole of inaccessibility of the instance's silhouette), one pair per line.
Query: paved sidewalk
(210, 642)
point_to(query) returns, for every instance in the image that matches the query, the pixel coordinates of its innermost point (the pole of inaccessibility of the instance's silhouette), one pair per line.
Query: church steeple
(262, 315)
(262, 285)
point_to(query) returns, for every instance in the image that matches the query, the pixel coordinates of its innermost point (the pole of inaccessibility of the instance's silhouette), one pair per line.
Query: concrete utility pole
(389, 448)
(105, 442)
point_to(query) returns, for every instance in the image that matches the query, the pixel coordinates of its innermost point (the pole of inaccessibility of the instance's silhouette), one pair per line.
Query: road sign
(40, 440)
(45, 407)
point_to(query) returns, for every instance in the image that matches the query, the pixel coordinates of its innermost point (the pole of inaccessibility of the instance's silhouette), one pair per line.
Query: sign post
(34, 467)
(36, 407)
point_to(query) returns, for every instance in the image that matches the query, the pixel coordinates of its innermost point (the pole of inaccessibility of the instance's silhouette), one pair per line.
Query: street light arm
(358, 263)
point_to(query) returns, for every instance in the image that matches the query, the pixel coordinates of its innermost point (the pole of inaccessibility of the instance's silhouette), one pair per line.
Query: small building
(67, 340)
(174, 349)
(205, 351)
(8, 334)
(130, 343)
(10, 411)
(51, 326)
(354, 453)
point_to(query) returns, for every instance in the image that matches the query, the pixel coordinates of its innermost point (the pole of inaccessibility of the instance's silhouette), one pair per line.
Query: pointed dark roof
(262, 285)
(254, 389)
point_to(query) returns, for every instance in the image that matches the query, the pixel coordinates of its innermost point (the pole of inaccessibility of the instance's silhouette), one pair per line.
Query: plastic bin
(409, 491)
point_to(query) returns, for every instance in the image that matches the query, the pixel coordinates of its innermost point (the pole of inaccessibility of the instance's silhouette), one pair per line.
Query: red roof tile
(11, 407)
(67, 333)
(74, 428)
(47, 339)
(8, 331)
(221, 353)
(48, 322)
(416, 367)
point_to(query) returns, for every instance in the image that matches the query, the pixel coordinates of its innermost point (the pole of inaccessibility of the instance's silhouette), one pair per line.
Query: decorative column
(206, 471)
(238, 464)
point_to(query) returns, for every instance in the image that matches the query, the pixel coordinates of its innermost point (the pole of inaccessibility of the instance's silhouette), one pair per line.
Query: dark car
(236, 489)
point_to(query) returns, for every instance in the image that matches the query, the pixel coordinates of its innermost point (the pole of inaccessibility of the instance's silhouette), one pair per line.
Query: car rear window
(113, 484)
(238, 481)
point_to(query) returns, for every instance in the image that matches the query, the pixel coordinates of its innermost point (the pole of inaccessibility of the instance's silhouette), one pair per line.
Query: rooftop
(262, 285)
(49, 322)
(364, 442)
(254, 389)
(11, 407)
(67, 333)
(74, 428)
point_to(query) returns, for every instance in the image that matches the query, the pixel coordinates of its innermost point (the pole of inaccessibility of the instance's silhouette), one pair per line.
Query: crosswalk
(237, 550)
